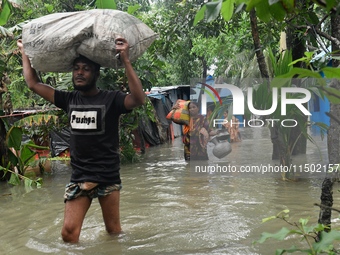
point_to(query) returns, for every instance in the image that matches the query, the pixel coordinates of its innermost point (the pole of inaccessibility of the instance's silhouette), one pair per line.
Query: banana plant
(21, 157)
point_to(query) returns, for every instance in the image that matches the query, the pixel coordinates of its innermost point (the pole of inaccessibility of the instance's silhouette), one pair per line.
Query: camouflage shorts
(73, 190)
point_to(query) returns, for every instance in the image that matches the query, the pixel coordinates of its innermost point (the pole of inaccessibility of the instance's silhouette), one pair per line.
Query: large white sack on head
(52, 42)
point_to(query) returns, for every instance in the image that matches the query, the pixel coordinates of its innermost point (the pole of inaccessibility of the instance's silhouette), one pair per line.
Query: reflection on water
(165, 209)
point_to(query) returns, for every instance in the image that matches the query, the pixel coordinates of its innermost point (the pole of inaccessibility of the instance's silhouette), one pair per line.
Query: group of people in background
(196, 135)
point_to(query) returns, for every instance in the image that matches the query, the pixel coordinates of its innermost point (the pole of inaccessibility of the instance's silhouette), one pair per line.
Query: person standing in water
(196, 135)
(94, 144)
(232, 126)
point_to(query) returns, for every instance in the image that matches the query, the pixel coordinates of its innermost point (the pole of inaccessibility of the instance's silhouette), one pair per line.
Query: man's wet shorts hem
(73, 190)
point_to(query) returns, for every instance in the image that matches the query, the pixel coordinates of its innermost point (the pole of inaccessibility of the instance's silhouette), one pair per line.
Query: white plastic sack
(52, 42)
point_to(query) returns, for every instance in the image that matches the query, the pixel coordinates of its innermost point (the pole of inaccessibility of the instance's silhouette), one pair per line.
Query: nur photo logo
(281, 99)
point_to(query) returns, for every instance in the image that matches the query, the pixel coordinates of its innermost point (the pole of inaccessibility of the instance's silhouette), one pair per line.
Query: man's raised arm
(137, 95)
(31, 78)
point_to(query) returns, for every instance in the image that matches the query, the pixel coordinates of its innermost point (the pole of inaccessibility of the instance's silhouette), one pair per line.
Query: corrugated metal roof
(167, 88)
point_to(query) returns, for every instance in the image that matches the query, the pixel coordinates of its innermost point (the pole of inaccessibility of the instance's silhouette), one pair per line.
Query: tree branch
(316, 29)
(333, 117)
(327, 207)
(327, 36)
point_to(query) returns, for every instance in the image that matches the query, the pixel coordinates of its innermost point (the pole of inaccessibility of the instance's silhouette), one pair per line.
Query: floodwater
(168, 209)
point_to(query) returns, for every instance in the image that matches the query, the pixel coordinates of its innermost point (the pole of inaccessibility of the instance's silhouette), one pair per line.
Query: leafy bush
(318, 238)
(21, 157)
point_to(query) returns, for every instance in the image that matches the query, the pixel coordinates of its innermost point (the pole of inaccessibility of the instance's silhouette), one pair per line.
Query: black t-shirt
(94, 143)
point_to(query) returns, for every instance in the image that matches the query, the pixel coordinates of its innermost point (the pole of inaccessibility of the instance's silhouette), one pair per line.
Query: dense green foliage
(187, 48)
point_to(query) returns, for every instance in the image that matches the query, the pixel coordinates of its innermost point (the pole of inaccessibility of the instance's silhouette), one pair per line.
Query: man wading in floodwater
(94, 143)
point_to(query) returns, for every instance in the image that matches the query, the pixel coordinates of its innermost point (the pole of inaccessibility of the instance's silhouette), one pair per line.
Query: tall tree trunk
(274, 132)
(333, 138)
(257, 44)
(205, 68)
(297, 45)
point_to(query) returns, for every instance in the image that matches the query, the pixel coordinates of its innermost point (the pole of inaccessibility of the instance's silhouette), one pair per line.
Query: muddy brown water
(166, 208)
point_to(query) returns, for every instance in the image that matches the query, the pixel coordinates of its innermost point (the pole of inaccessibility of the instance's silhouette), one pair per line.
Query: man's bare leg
(75, 211)
(110, 210)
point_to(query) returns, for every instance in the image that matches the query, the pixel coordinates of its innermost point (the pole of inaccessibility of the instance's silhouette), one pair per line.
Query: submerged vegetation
(312, 239)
